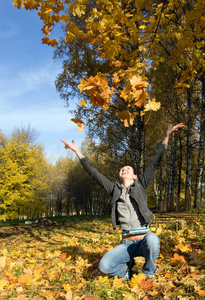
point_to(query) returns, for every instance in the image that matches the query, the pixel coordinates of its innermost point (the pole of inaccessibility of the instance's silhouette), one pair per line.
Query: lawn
(60, 261)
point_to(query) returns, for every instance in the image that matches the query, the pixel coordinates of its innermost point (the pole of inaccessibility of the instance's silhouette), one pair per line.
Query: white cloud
(17, 82)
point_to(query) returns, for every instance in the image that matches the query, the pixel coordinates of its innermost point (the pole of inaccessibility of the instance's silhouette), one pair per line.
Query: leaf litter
(61, 262)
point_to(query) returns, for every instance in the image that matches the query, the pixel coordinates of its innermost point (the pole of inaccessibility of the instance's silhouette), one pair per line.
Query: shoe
(127, 275)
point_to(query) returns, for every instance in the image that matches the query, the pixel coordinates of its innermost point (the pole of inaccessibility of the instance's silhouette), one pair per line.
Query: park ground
(59, 260)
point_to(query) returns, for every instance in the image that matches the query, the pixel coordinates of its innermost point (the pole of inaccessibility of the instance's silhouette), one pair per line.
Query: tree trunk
(141, 140)
(172, 172)
(189, 154)
(160, 188)
(179, 178)
(165, 206)
(199, 176)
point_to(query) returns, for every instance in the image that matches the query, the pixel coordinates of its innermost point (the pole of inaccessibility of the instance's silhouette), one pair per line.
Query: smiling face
(127, 173)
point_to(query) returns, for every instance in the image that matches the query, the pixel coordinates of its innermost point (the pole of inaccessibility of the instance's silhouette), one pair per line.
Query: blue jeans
(114, 262)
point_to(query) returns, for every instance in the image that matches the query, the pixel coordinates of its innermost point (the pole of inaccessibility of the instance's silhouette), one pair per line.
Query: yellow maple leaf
(81, 262)
(115, 78)
(18, 3)
(183, 248)
(37, 272)
(103, 279)
(152, 105)
(3, 283)
(83, 103)
(137, 82)
(81, 128)
(136, 279)
(118, 283)
(67, 287)
(25, 279)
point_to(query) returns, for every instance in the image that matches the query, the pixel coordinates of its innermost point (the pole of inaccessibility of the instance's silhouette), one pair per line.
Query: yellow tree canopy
(22, 178)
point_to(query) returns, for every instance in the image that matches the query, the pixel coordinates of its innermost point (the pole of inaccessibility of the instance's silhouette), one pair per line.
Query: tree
(22, 178)
(109, 47)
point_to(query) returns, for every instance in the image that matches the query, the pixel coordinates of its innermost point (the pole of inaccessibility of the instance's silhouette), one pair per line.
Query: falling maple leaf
(126, 117)
(152, 105)
(80, 125)
(83, 103)
(97, 89)
(137, 82)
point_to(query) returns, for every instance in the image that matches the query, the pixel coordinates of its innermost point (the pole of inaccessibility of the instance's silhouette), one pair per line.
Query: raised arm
(73, 147)
(91, 170)
(151, 169)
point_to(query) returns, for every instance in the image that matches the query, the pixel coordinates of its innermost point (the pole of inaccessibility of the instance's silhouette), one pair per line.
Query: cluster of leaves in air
(110, 29)
(61, 262)
(126, 34)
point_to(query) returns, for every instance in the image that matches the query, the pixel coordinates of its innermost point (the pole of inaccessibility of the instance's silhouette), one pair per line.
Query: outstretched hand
(172, 128)
(73, 146)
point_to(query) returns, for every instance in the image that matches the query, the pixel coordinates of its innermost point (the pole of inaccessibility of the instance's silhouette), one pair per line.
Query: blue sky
(28, 96)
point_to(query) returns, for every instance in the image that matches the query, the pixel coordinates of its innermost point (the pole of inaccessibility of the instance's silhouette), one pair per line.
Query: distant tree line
(31, 187)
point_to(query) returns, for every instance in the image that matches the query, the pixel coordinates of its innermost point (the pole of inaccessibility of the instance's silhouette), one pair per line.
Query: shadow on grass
(17, 227)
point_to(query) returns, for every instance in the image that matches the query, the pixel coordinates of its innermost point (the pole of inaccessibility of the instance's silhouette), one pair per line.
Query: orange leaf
(201, 292)
(167, 275)
(78, 121)
(63, 256)
(146, 284)
(177, 259)
(25, 279)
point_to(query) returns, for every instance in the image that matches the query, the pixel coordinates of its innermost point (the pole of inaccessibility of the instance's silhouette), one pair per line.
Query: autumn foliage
(61, 262)
(129, 37)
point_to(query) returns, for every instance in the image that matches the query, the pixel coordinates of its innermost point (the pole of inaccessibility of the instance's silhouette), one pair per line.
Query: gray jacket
(137, 190)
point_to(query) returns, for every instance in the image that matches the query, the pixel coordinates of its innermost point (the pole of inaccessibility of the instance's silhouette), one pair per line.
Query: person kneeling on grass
(130, 211)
